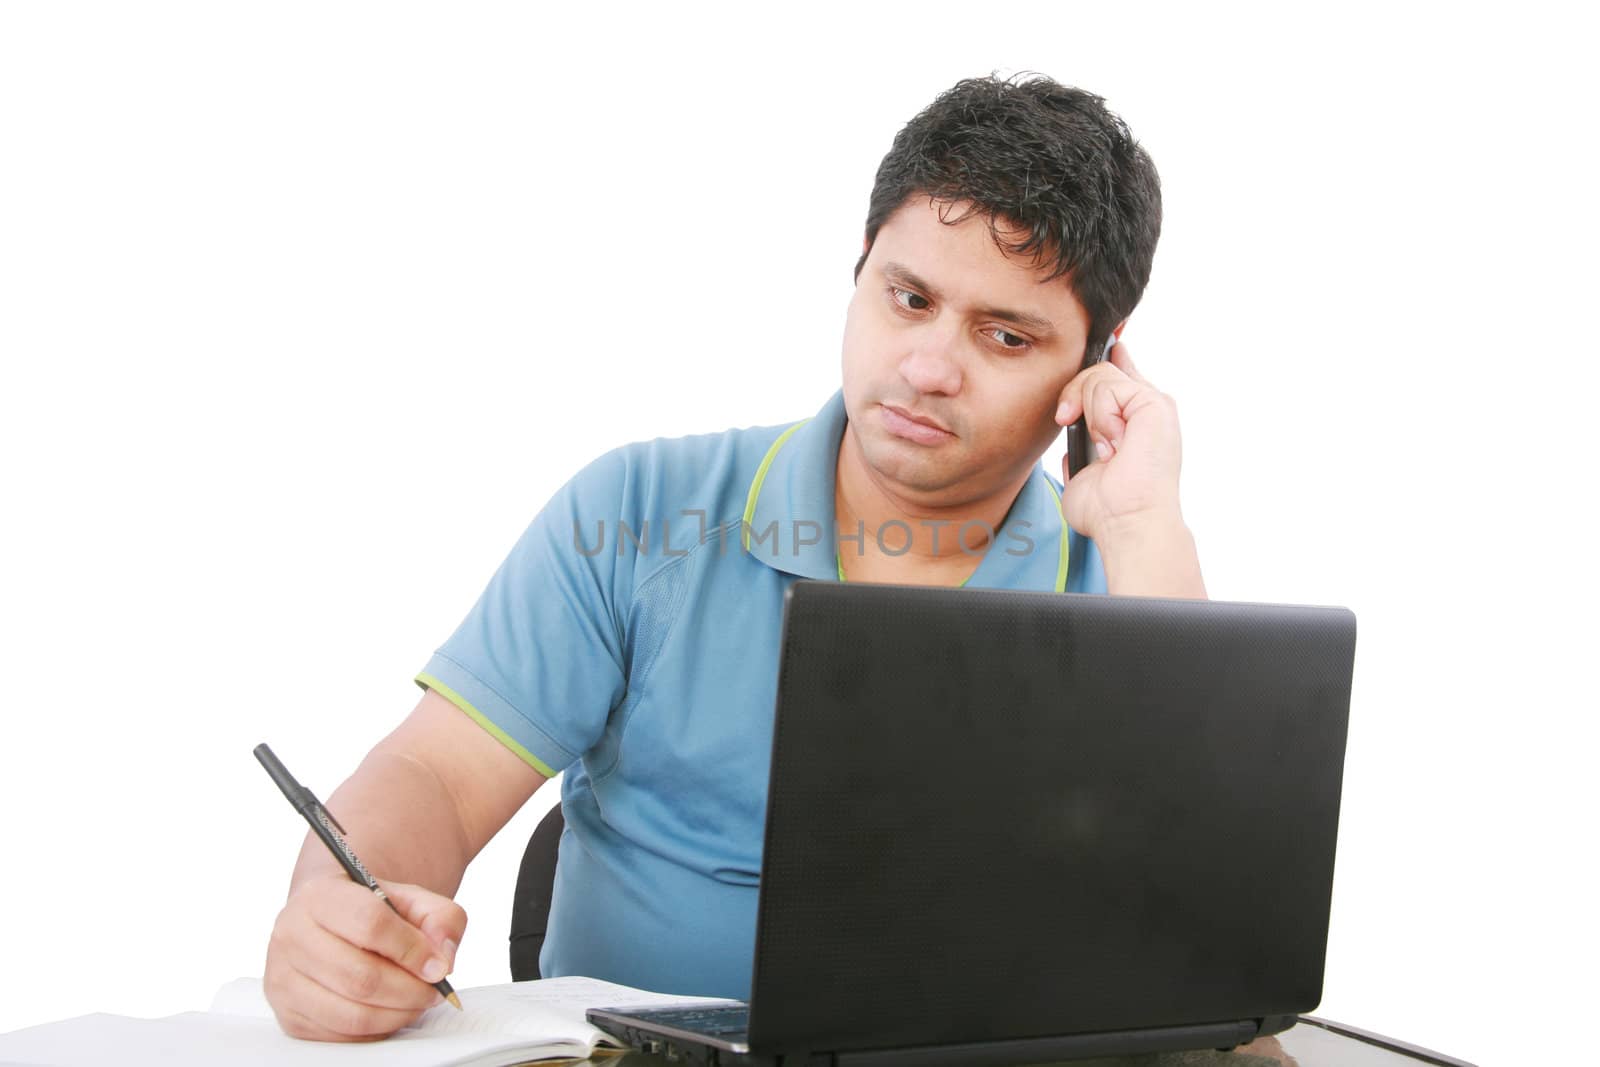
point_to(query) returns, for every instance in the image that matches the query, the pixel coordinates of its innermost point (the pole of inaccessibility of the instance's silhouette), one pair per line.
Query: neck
(863, 499)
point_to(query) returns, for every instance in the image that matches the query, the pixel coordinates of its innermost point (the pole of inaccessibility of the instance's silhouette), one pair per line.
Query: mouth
(918, 428)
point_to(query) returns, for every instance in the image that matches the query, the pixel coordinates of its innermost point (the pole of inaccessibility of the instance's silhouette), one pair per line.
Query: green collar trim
(766, 464)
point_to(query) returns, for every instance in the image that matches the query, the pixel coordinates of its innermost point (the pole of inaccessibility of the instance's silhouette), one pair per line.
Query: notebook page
(552, 1008)
(201, 1039)
(488, 1014)
(242, 996)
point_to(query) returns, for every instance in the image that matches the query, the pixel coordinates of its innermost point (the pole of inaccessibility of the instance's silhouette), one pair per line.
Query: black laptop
(1013, 827)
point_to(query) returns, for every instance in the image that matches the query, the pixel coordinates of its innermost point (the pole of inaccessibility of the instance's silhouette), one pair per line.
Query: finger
(1103, 412)
(359, 917)
(1067, 406)
(301, 1026)
(1070, 404)
(325, 1016)
(440, 918)
(356, 974)
(1124, 362)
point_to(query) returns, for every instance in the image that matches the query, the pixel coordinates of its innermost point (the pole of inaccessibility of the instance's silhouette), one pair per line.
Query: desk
(1313, 1042)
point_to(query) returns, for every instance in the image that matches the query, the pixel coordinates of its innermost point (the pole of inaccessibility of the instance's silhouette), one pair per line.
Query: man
(631, 636)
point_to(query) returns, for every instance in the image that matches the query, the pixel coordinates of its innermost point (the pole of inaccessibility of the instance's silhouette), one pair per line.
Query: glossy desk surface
(1312, 1043)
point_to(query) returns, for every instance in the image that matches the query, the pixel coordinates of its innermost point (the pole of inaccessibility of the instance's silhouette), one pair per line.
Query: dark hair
(1044, 158)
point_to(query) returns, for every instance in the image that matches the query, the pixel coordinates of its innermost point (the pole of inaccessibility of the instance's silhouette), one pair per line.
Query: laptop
(1016, 827)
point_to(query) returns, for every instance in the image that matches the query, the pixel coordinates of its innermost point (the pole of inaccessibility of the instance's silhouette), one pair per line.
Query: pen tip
(452, 998)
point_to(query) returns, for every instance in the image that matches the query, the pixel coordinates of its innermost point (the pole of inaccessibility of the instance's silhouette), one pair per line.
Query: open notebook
(506, 1024)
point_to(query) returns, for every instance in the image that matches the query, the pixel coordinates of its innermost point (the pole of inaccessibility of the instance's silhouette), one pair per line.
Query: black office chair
(530, 908)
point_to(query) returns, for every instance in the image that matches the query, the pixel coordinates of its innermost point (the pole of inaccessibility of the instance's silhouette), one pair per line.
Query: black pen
(325, 826)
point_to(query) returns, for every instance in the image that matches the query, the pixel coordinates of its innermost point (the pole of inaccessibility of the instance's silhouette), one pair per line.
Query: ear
(1117, 333)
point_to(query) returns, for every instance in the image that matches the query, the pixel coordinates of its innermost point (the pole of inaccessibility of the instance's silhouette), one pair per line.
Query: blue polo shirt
(631, 640)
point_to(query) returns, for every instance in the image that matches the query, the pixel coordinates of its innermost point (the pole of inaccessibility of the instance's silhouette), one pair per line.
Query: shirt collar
(789, 509)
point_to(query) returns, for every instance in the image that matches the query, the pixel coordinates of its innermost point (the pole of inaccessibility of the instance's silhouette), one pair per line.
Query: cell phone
(1078, 432)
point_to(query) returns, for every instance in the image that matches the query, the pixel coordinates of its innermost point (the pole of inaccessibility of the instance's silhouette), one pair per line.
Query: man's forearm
(1152, 558)
(401, 821)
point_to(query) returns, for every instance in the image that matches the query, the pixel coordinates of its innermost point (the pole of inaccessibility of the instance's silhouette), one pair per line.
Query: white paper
(197, 1038)
(540, 1018)
(551, 1007)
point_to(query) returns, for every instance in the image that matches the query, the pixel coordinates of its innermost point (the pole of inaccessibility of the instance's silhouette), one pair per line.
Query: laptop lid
(997, 815)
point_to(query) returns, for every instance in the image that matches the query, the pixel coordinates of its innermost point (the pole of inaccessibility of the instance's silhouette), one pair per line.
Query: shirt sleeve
(538, 661)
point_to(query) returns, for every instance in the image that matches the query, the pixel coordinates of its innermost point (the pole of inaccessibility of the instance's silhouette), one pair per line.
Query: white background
(305, 309)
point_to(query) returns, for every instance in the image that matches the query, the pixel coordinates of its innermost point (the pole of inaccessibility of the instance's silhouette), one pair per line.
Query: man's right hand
(342, 966)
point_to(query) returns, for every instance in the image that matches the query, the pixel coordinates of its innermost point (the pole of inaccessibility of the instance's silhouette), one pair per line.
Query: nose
(933, 364)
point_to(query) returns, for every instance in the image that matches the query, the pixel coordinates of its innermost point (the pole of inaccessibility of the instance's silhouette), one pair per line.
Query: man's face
(946, 328)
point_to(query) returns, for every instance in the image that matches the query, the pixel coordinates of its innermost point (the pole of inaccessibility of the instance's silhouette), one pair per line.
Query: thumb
(441, 919)
(1076, 494)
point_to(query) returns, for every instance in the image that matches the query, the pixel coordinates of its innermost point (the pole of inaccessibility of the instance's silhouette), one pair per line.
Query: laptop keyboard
(728, 1022)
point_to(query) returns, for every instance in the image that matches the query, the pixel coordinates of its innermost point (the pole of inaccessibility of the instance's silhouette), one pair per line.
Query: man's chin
(919, 468)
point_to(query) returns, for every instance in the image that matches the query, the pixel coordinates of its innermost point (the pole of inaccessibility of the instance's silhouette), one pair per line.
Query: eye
(896, 293)
(1007, 339)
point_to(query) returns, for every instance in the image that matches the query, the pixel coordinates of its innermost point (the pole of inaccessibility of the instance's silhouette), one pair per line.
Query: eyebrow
(902, 274)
